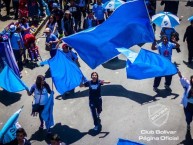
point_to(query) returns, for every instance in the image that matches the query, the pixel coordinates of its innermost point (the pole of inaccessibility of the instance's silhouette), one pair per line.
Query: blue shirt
(71, 55)
(52, 37)
(25, 26)
(99, 11)
(166, 50)
(14, 41)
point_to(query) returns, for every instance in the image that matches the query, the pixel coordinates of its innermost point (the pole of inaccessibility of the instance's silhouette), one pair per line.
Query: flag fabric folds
(65, 73)
(147, 64)
(127, 26)
(47, 113)
(8, 132)
(127, 142)
(10, 81)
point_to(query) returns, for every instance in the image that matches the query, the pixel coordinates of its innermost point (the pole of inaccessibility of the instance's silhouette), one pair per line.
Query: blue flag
(127, 26)
(147, 64)
(10, 81)
(127, 142)
(8, 132)
(47, 113)
(65, 73)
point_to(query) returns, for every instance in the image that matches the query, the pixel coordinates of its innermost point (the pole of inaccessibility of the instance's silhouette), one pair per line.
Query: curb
(43, 22)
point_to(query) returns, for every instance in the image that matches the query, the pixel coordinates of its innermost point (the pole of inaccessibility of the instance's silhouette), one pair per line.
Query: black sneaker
(188, 127)
(155, 89)
(168, 87)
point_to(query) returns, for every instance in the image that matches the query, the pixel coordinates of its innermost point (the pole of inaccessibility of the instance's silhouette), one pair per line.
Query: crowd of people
(68, 17)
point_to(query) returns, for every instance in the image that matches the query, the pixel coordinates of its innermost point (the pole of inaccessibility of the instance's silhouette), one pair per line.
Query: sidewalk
(5, 21)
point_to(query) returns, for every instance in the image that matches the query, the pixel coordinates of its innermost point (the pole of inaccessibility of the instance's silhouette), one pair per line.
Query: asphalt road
(131, 109)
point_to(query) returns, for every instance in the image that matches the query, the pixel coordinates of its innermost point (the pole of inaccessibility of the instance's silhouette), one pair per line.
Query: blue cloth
(14, 41)
(127, 142)
(10, 81)
(52, 37)
(147, 64)
(8, 132)
(166, 50)
(65, 73)
(47, 113)
(128, 25)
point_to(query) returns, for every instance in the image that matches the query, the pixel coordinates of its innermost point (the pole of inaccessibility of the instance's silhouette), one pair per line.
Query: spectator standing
(16, 45)
(25, 28)
(165, 49)
(52, 24)
(33, 10)
(170, 6)
(188, 36)
(51, 41)
(76, 14)
(58, 15)
(40, 90)
(68, 24)
(83, 5)
(90, 21)
(16, 8)
(95, 99)
(99, 12)
(7, 5)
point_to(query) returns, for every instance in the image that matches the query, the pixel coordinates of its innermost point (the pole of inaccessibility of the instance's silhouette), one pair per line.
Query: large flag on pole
(128, 25)
(147, 64)
(65, 73)
(10, 81)
(8, 132)
(47, 113)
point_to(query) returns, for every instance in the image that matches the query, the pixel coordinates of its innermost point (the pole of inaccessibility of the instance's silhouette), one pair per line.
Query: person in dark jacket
(68, 23)
(188, 36)
(20, 138)
(7, 5)
(171, 6)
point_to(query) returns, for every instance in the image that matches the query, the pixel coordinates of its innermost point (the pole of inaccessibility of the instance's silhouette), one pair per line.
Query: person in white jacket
(187, 99)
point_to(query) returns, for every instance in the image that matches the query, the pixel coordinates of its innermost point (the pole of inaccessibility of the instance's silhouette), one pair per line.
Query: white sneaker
(96, 128)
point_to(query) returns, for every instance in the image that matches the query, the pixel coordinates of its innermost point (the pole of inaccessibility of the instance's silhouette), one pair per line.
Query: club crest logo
(158, 114)
(165, 23)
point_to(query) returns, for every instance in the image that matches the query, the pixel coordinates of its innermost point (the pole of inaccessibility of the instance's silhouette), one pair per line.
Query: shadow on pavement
(8, 98)
(188, 65)
(48, 73)
(5, 18)
(188, 139)
(118, 91)
(67, 134)
(94, 133)
(115, 64)
(165, 93)
(31, 65)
